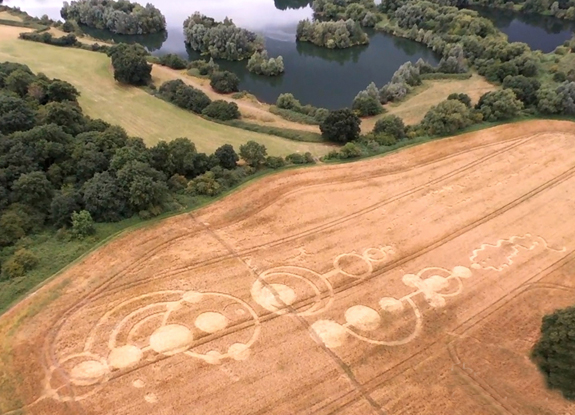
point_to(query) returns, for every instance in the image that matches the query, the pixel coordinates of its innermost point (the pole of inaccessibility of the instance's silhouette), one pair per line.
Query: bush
(390, 125)
(298, 158)
(204, 68)
(184, 96)
(341, 126)
(554, 353)
(350, 150)
(275, 162)
(227, 157)
(205, 185)
(18, 264)
(464, 98)
(499, 105)
(254, 154)
(446, 118)
(82, 224)
(171, 60)
(224, 82)
(261, 64)
(130, 65)
(366, 105)
(222, 110)
(559, 77)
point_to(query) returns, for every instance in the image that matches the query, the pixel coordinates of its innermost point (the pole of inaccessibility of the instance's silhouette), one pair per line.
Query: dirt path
(408, 284)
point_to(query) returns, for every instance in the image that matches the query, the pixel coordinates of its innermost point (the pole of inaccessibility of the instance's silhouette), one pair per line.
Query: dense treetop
(122, 16)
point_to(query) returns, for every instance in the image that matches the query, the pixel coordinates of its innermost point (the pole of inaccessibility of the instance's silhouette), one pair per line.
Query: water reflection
(291, 4)
(543, 33)
(152, 42)
(342, 56)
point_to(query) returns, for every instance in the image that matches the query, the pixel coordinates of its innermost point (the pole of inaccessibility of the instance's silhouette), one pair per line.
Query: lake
(317, 76)
(543, 33)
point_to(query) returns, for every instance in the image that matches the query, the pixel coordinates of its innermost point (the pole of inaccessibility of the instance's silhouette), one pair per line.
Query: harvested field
(408, 284)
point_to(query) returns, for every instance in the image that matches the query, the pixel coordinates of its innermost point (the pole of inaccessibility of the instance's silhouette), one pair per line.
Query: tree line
(122, 16)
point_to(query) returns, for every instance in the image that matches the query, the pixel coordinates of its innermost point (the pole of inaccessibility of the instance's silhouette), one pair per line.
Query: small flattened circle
(171, 339)
(390, 304)
(124, 356)
(211, 322)
(461, 272)
(239, 351)
(88, 373)
(331, 333)
(362, 317)
(192, 297)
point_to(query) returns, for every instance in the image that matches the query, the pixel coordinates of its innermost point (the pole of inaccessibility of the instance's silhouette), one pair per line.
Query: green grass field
(141, 114)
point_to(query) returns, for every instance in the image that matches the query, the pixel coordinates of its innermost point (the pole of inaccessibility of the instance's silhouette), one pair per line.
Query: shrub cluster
(171, 60)
(288, 107)
(260, 64)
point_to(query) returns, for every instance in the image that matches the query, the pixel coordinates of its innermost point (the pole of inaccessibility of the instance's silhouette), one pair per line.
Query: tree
(253, 153)
(65, 114)
(446, 118)
(227, 156)
(104, 198)
(464, 98)
(130, 65)
(499, 105)
(341, 126)
(15, 115)
(224, 82)
(525, 89)
(63, 205)
(222, 110)
(146, 187)
(554, 353)
(19, 81)
(59, 91)
(367, 103)
(82, 224)
(33, 189)
(390, 125)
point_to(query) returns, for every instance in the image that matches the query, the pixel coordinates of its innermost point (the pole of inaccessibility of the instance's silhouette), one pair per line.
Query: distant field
(8, 16)
(413, 109)
(139, 113)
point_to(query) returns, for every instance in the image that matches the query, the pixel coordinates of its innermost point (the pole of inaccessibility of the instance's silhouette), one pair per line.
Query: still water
(543, 33)
(317, 76)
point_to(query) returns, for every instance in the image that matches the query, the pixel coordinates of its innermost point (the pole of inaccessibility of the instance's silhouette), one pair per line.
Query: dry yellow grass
(413, 109)
(10, 17)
